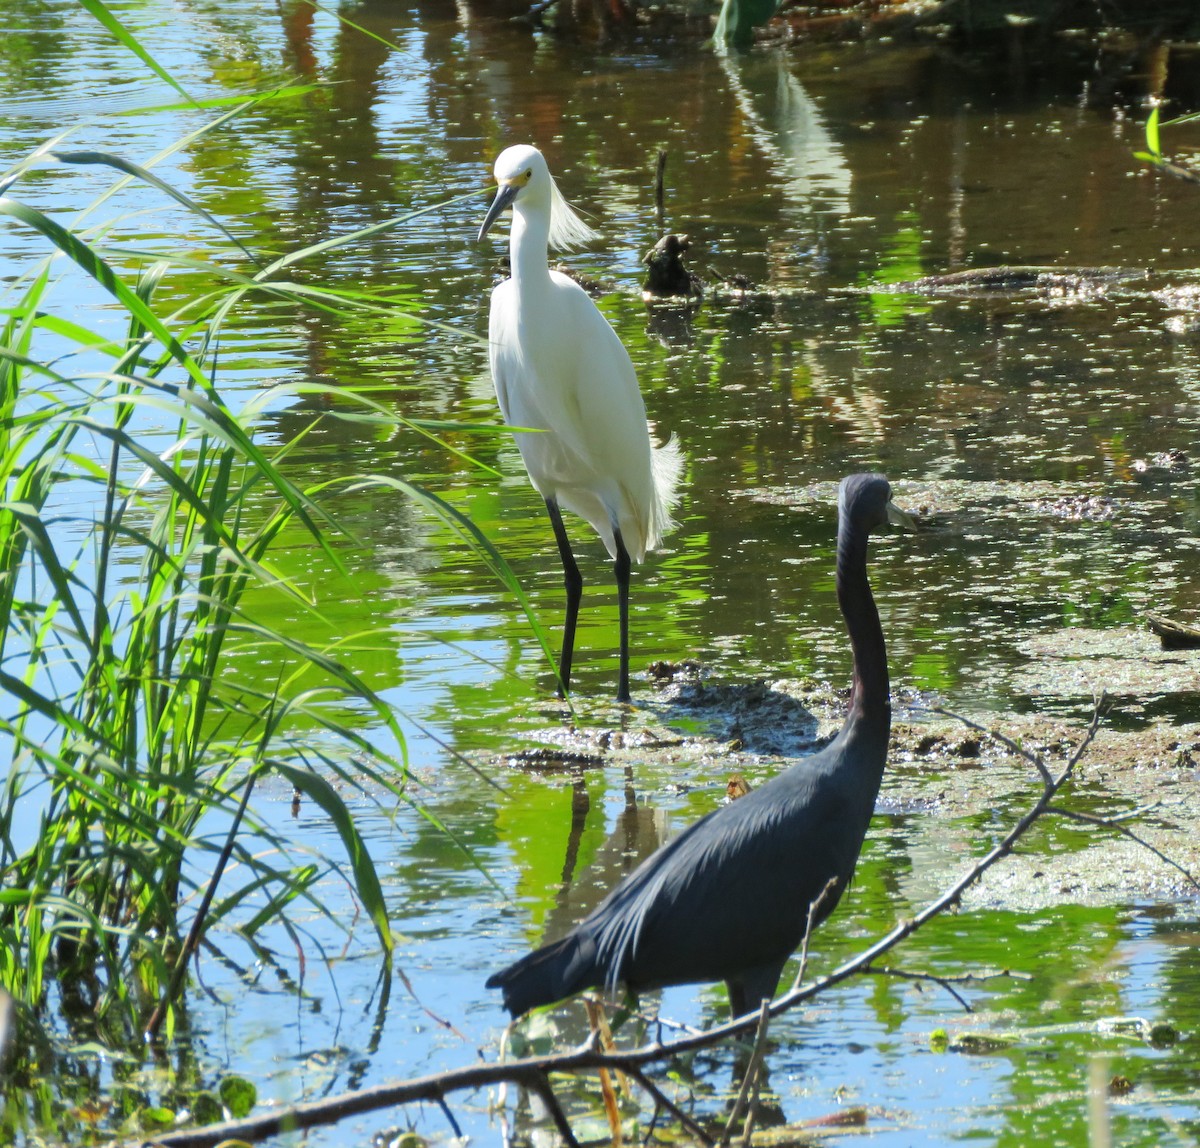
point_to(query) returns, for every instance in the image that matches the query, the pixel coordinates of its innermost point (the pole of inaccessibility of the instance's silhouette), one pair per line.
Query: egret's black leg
(621, 567)
(573, 581)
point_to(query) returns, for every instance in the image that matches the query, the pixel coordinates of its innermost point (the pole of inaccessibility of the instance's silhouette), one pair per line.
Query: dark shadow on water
(755, 716)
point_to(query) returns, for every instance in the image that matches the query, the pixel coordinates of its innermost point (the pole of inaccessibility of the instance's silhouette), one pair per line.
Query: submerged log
(1017, 278)
(1174, 635)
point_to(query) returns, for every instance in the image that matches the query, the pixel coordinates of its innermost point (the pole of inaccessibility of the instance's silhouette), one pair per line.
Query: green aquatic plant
(1154, 156)
(144, 694)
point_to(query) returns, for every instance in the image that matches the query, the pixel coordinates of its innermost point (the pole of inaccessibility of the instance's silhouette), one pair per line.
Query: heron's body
(560, 369)
(729, 898)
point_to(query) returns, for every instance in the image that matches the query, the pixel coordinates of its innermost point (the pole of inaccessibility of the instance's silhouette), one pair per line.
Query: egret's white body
(559, 367)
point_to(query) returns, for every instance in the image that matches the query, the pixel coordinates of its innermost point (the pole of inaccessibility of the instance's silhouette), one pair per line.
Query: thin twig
(751, 1074)
(1176, 170)
(948, 982)
(809, 925)
(662, 1100)
(1035, 759)
(449, 1117)
(755, 1073)
(1115, 823)
(539, 1082)
(659, 194)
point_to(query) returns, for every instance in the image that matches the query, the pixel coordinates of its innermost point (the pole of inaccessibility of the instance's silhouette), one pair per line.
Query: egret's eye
(529, 175)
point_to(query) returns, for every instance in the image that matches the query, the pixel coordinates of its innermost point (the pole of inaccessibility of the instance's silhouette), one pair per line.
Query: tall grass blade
(126, 39)
(366, 879)
(147, 176)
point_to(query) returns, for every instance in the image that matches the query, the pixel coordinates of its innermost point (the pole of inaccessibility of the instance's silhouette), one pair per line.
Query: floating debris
(596, 288)
(735, 285)
(1174, 461)
(1079, 507)
(666, 275)
(998, 280)
(551, 759)
(662, 671)
(755, 717)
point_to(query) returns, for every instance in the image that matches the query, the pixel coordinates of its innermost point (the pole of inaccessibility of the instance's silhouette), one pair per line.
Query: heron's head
(865, 502)
(524, 179)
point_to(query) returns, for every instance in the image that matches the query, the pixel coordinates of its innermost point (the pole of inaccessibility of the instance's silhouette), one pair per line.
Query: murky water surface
(1027, 427)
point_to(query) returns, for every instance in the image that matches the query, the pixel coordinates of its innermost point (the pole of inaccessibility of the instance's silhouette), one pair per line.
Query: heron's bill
(898, 517)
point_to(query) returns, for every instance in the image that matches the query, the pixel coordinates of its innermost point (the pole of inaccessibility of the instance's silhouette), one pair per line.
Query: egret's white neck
(529, 244)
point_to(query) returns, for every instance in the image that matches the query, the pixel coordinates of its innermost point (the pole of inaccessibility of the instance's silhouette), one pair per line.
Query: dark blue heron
(729, 898)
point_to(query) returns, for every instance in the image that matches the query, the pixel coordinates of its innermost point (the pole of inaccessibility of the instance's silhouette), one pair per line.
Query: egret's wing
(558, 366)
(503, 358)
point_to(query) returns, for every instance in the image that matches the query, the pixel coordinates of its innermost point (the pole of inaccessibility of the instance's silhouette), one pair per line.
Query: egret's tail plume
(666, 463)
(549, 974)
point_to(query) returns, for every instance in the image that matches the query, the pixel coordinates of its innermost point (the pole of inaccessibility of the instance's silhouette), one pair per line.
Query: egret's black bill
(504, 196)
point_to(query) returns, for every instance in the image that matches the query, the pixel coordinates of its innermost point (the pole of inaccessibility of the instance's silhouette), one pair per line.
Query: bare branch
(1035, 759)
(1115, 823)
(662, 1100)
(533, 1072)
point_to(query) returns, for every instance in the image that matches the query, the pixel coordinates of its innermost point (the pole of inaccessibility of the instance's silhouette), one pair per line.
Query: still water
(1025, 426)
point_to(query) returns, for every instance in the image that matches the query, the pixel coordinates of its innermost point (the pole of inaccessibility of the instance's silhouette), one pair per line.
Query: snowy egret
(728, 899)
(560, 369)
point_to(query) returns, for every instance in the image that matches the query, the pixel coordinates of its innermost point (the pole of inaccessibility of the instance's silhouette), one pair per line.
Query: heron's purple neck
(529, 244)
(869, 700)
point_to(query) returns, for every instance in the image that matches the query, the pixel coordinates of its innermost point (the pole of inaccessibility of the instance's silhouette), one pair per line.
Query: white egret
(560, 369)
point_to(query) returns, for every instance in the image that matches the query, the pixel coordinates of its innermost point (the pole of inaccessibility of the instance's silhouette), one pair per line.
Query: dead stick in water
(659, 195)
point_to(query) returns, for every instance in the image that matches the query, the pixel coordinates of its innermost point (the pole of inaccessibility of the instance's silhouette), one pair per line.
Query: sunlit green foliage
(136, 531)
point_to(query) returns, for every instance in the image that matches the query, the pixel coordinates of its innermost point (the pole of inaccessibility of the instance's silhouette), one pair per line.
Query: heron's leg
(621, 565)
(753, 986)
(573, 581)
(738, 1005)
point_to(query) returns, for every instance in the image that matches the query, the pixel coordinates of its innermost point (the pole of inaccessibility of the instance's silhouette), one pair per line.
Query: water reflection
(639, 830)
(789, 130)
(820, 175)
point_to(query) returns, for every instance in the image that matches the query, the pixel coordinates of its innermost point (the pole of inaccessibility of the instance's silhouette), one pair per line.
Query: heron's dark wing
(734, 889)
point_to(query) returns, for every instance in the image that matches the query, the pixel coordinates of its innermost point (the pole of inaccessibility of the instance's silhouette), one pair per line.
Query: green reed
(125, 574)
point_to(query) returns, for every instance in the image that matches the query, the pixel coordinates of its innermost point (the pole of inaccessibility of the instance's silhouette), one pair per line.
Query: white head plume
(522, 170)
(567, 230)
